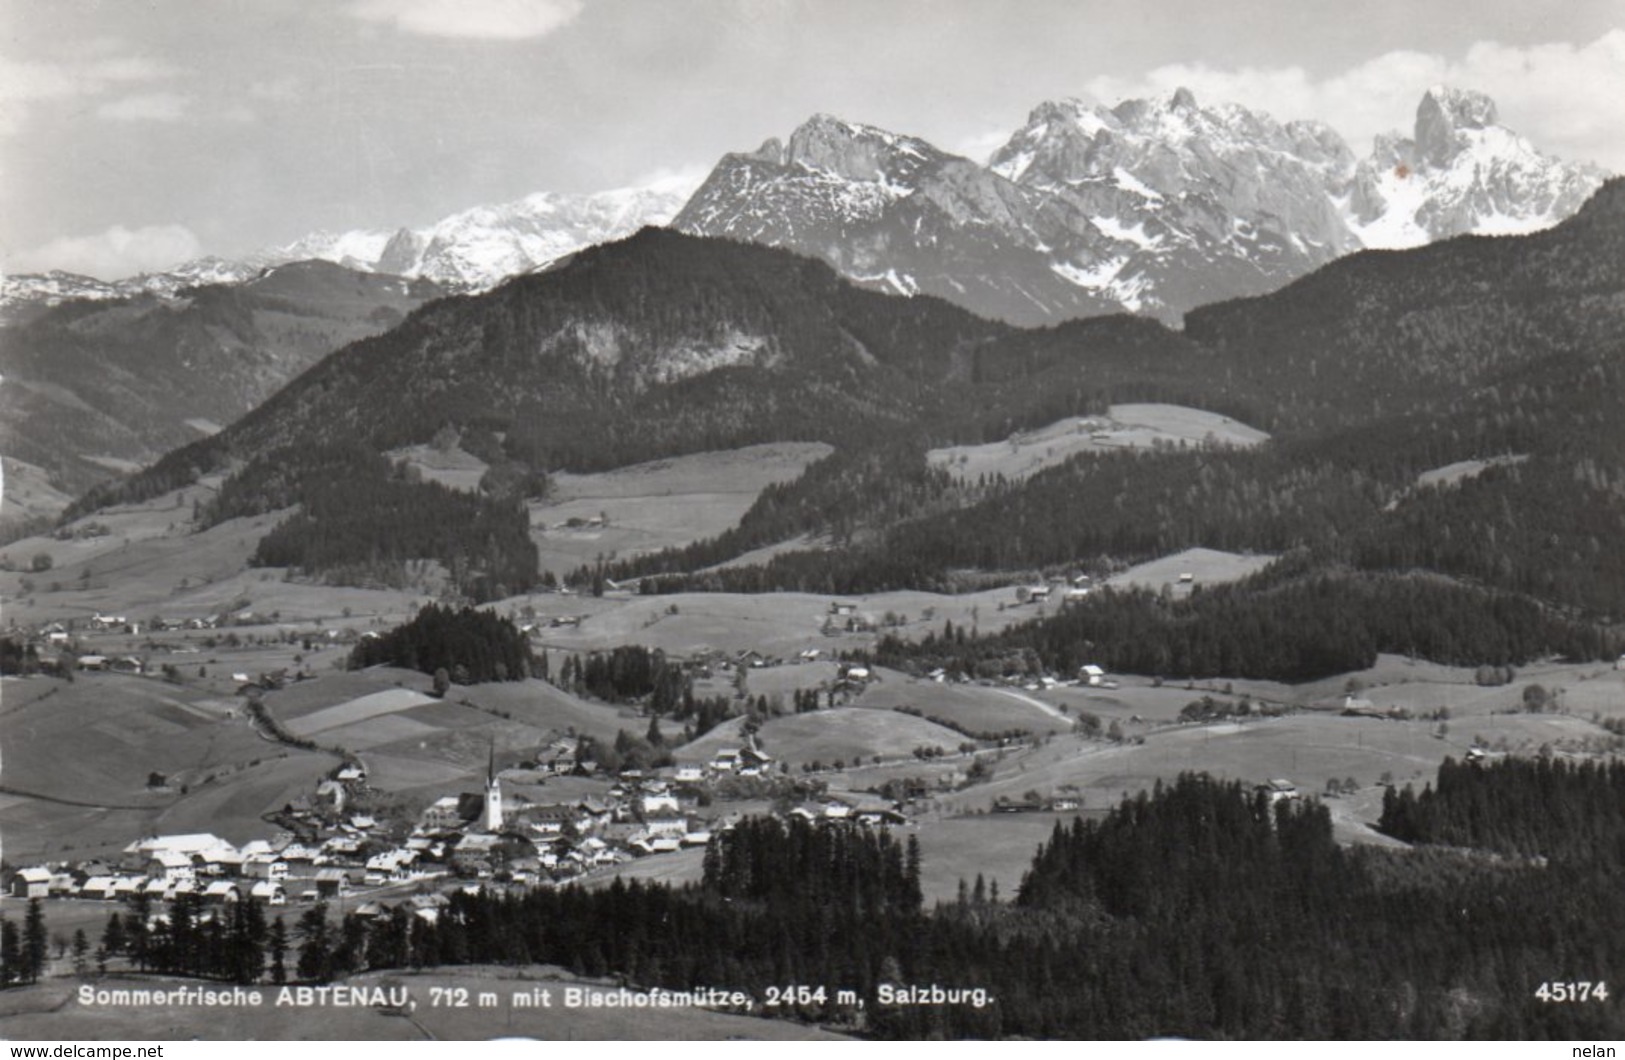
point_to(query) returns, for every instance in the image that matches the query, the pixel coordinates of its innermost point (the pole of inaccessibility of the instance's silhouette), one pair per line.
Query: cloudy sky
(138, 133)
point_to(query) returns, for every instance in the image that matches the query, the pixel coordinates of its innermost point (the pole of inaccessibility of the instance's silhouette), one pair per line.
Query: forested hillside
(1504, 357)
(125, 381)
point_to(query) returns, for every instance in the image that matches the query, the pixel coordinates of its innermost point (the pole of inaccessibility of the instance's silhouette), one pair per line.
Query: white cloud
(477, 19)
(115, 253)
(277, 90)
(677, 179)
(980, 146)
(95, 71)
(150, 106)
(1564, 97)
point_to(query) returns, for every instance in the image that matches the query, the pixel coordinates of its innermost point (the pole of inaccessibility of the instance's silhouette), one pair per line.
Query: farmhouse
(1278, 789)
(332, 883)
(31, 883)
(1091, 675)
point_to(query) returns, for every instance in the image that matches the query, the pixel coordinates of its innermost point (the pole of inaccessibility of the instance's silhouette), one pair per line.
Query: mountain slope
(95, 387)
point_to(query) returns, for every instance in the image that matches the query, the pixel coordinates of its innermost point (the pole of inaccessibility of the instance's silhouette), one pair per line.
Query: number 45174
(1557, 993)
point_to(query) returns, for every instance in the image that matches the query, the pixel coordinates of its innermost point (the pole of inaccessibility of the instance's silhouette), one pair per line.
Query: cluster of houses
(202, 864)
(327, 852)
(1077, 587)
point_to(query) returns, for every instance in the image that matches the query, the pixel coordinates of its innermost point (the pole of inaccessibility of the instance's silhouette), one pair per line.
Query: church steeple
(493, 793)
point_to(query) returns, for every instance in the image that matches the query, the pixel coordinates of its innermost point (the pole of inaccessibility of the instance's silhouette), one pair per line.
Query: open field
(1307, 749)
(998, 846)
(660, 504)
(1135, 426)
(772, 623)
(541, 706)
(51, 1011)
(79, 755)
(390, 701)
(677, 868)
(231, 806)
(150, 562)
(1206, 566)
(26, 493)
(977, 708)
(845, 733)
(1451, 474)
(415, 744)
(450, 467)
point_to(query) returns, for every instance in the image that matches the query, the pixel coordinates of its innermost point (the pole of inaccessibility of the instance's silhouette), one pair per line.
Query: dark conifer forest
(471, 645)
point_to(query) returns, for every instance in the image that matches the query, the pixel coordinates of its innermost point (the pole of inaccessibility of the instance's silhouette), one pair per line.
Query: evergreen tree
(278, 948)
(113, 934)
(315, 945)
(81, 952)
(11, 953)
(36, 941)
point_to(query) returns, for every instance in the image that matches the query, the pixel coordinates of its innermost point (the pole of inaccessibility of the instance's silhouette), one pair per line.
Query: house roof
(191, 843)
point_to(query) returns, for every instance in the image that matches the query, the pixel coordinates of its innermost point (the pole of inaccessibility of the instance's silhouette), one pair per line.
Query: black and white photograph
(1046, 520)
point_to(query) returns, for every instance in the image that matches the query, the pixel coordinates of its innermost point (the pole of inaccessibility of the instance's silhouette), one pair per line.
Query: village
(489, 838)
(553, 817)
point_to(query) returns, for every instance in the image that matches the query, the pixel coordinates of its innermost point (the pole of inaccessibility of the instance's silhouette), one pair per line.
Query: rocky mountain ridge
(1152, 206)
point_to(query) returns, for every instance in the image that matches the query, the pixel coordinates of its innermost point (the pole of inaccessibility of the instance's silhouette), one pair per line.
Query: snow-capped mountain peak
(471, 250)
(1445, 117)
(1460, 172)
(849, 151)
(1153, 205)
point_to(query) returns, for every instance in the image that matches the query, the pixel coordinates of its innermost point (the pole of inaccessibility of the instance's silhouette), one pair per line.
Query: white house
(268, 867)
(269, 893)
(442, 815)
(666, 824)
(171, 866)
(31, 883)
(654, 805)
(1091, 675)
(221, 891)
(99, 887)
